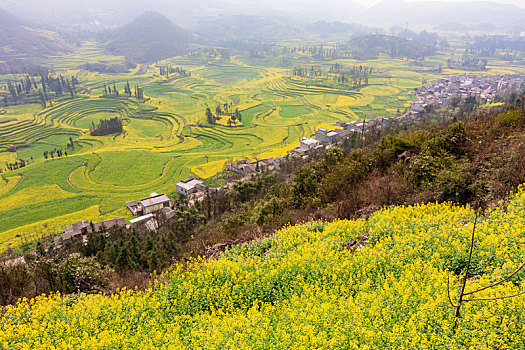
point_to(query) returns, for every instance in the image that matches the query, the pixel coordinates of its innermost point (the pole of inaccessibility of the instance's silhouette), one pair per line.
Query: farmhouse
(188, 187)
(277, 162)
(321, 135)
(265, 163)
(149, 205)
(104, 225)
(307, 144)
(147, 220)
(167, 213)
(154, 203)
(76, 230)
(242, 167)
(135, 207)
(84, 227)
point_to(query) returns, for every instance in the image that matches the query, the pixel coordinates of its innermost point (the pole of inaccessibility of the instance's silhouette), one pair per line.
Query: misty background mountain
(192, 14)
(149, 37)
(148, 31)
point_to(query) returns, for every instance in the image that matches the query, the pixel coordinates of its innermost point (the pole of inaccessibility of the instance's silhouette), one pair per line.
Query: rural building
(242, 167)
(307, 144)
(333, 136)
(277, 162)
(188, 187)
(265, 163)
(104, 225)
(135, 207)
(147, 220)
(167, 212)
(84, 227)
(154, 203)
(76, 230)
(321, 135)
(418, 107)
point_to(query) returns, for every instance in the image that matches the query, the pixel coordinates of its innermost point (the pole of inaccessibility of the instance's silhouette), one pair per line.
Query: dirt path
(183, 119)
(164, 169)
(71, 172)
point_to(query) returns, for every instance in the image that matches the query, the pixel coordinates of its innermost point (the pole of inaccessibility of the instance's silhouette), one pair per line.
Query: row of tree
(106, 127)
(112, 90)
(17, 164)
(59, 152)
(43, 90)
(468, 63)
(55, 152)
(226, 110)
(167, 70)
(304, 72)
(355, 76)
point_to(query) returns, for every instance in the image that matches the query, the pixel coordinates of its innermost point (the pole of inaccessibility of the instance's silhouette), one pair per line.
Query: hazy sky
(520, 3)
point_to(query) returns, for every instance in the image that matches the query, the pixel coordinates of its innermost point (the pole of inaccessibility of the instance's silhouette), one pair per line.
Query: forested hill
(148, 38)
(20, 40)
(369, 46)
(439, 12)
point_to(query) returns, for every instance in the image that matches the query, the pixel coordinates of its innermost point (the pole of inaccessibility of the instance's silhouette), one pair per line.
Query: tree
(238, 115)
(209, 116)
(463, 294)
(42, 99)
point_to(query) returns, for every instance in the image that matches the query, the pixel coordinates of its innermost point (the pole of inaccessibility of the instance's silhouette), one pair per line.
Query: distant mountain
(439, 12)
(148, 38)
(370, 46)
(243, 27)
(21, 40)
(324, 27)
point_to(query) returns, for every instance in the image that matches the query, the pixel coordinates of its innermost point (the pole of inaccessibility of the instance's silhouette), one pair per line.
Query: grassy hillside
(148, 38)
(303, 288)
(18, 40)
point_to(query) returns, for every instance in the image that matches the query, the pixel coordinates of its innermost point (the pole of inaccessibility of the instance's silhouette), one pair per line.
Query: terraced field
(166, 137)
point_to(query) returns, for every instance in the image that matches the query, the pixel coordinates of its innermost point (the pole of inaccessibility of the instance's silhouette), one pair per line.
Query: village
(485, 88)
(149, 211)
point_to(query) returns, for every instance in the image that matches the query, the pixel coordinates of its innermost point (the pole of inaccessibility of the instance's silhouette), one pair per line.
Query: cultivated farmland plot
(166, 135)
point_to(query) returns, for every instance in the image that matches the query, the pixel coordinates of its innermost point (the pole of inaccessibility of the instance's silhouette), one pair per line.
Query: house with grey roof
(188, 187)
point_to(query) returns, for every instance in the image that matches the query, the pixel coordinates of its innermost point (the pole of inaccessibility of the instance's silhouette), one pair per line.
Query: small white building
(306, 145)
(188, 187)
(149, 221)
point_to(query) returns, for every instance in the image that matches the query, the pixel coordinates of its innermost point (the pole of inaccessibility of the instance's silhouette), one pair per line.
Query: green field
(166, 136)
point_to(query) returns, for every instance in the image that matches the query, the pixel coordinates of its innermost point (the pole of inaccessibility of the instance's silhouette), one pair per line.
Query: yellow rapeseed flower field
(301, 288)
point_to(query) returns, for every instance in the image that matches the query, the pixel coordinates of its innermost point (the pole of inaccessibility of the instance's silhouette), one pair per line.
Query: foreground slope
(302, 287)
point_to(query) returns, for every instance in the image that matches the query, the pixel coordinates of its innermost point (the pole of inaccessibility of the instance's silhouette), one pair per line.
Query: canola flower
(302, 289)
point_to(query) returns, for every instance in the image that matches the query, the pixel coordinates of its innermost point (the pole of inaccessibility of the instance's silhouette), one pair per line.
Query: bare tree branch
(496, 298)
(448, 291)
(458, 308)
(500, 282)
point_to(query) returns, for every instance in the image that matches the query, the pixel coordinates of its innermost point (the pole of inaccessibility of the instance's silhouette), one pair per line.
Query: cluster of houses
(193, 189)
(483, 87)
(148, 211)
(323, 138)
(82, 228)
